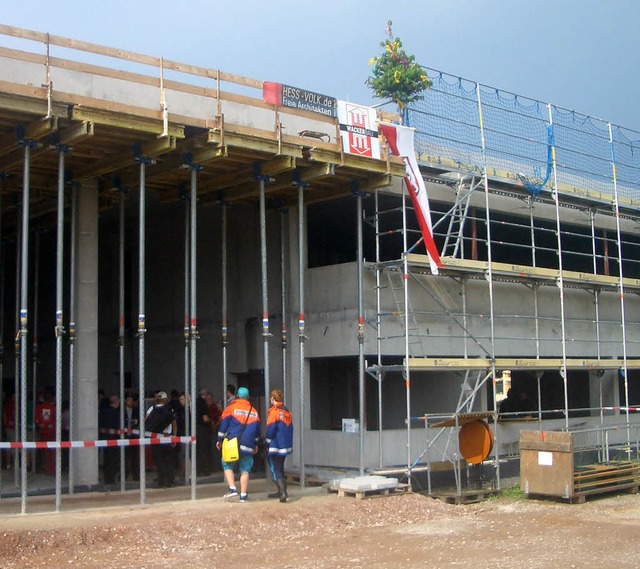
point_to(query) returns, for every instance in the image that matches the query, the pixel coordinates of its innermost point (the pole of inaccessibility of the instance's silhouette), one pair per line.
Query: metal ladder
(395, 276)
(454, 237)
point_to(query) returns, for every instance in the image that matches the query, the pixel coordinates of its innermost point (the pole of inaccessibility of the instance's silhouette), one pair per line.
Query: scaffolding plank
(524, 272)
(428, 364)
(462, 419)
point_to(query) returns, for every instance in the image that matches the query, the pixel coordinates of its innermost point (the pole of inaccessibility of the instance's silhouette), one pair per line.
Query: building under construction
(168, 226)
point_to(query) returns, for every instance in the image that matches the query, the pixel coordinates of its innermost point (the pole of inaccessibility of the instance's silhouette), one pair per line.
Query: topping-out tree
(396, 75)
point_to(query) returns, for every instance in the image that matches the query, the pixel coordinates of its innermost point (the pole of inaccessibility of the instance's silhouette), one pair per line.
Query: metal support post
(623, 322)
(380, 374)
(489, 276)
(185, 330)
(121, 338)
(24, 318)
(59, 319)
(265, 298)
(224, 332)
(284, 339)
(405, 289)
(72, 329)
(556, 199)
(301, 321)
(193, 305)
(142, 323)
(361, 371)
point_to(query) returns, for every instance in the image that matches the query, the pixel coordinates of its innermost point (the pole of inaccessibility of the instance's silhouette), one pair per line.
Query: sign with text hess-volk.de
(296, 98)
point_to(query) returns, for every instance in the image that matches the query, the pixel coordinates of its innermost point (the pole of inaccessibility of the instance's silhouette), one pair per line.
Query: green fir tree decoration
(396, 75)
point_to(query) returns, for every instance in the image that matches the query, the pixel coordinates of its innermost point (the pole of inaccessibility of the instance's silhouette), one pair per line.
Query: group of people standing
(167, 416)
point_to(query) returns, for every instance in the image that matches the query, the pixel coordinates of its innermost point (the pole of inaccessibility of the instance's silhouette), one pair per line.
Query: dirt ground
(320, 530)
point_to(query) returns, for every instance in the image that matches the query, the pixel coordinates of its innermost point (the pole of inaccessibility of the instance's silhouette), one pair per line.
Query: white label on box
(545, 458)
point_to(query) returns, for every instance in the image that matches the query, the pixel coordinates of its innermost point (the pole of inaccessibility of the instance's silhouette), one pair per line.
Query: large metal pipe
(380, 374)
(265, 296)
(556, 199)
(24, 319)
(121, 339)
(489, 274)
(405, 293)
(72, 329)
(193, 311)
(265, 310)
(225, 300)
(142, 328)
(283, 298)
(361, 384)
(59, 320)
(187, 365)
(623, 320)
(301, 325)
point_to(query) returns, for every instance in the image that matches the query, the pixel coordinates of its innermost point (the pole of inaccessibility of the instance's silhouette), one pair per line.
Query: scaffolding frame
(464, 180)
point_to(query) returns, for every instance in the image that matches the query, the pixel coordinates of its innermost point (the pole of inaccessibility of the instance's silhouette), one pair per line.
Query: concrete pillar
(86, 381)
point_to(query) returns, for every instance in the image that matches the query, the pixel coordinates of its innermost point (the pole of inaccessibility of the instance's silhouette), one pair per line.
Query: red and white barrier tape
(632, 409)
(156, 440)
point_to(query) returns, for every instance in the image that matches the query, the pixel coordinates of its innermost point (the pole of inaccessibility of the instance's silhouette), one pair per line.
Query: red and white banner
(400, 139)
(358, 129)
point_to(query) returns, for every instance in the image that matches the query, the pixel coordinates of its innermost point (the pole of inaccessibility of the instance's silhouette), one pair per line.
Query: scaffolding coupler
(356, 192)
(259, 176)
(22, 141)
(142, 325)
(59, 327)
(139, 158)
(297, 181)
(189, 164)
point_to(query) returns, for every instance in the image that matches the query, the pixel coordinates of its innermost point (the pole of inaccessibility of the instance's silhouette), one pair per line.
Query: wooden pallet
(374, 493)
(466, 496)
(604, 478)
(309, 479)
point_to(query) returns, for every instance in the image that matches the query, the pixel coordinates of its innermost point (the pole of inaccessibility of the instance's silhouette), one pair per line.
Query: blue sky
(578, 54)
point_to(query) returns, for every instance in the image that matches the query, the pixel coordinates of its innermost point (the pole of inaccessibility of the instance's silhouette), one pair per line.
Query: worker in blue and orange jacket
(279, 437)
(240, 419)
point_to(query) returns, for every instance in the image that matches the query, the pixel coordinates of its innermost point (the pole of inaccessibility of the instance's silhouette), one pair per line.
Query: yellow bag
(230, 450)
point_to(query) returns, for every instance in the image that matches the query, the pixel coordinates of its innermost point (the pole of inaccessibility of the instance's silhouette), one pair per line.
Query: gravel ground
(324, 531)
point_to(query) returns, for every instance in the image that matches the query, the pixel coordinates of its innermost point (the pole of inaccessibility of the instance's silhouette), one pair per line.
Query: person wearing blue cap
(240, 419)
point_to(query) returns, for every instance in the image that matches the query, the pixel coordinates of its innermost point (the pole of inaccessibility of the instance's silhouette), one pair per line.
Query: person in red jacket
(240, 419)
(45, 419)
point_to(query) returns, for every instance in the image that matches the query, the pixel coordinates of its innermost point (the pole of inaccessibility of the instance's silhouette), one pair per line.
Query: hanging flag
(400, 139)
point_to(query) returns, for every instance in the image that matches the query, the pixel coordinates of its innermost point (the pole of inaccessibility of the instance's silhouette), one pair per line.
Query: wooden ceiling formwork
(105, 118)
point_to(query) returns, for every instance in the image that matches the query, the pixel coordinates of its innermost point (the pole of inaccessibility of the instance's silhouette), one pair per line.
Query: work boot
(277, 493)
(282, 486)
